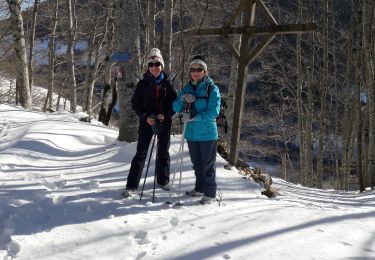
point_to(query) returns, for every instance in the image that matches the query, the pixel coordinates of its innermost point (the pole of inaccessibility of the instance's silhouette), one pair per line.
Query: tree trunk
(150, 24)
(323, 90)
(310, 105)
(127, 40)
(70, 54)
(105, 111)
(167, 34)
(300, 116)
(92, 70)
(20, 53)
(87, 93)
(31, 44)
(348, 113)
(370, 56)
(51, 59)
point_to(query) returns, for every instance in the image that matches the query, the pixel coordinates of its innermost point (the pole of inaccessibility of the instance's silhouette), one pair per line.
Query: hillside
(60, 184)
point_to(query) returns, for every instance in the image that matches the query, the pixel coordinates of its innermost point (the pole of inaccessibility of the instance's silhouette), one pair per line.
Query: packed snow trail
(61, 183)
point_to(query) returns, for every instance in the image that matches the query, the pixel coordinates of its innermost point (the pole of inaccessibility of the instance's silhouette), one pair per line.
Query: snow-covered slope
(60, 184)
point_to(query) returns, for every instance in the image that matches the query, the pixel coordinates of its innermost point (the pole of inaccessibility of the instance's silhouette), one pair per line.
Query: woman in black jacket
(152, 101)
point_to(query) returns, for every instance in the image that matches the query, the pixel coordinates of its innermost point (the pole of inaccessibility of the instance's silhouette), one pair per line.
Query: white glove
(185, 117)
(188, 98)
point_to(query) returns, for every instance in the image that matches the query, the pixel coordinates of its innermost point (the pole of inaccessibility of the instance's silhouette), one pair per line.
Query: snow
(60, 185)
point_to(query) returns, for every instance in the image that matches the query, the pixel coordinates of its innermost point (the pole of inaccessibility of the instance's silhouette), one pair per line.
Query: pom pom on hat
(154, 56)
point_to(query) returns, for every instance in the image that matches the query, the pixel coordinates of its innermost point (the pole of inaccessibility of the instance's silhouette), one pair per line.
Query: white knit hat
(154, 56)
(200, 61)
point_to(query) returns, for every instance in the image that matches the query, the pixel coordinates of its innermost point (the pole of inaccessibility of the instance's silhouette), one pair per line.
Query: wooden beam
(236, 12)
(258, 50)
(266, 11)
(233, 49)
(255, 30)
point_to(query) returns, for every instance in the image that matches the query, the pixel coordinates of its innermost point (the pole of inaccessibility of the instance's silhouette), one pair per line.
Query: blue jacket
(203, 127)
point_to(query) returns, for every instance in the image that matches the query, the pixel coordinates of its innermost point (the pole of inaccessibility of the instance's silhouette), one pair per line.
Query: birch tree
(31, 43)
(72, 29)
(22, 73)
(167, 34)
(150, 24)
(51, 57)
(108, 103)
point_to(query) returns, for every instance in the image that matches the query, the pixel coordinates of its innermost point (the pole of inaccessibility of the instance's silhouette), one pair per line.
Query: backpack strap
(208, 92)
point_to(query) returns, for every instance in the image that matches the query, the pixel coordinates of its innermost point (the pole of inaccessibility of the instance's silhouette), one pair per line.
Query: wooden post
(240, 89)
(283, 163)
(245, 55)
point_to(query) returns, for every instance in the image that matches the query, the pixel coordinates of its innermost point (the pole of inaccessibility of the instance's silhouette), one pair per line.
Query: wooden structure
(245, 55)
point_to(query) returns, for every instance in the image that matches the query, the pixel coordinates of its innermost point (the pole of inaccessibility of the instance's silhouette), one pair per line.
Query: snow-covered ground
(60, 184)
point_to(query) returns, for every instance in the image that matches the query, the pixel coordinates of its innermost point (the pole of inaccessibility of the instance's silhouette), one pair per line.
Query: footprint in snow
(141, 255)
(53, 184)
(345, 243)
(174, 221)
(141, 238)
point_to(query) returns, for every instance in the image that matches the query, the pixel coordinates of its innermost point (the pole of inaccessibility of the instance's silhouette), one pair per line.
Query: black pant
(162, 157)
(203, 157)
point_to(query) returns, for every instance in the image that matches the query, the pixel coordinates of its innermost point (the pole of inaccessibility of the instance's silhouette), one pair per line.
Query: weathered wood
(259, 49)
(255, 30)
(233, 49)
(240, 89)
(244, 56)
(266, 11)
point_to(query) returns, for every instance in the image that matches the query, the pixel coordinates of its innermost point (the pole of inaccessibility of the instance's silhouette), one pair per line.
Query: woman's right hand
(150, 121)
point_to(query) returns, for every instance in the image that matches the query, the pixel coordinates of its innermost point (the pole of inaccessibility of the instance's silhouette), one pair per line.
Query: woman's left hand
(160, 117)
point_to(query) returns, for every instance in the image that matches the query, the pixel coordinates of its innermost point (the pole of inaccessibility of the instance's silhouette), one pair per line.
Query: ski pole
(153, 192)
(179, 183)
(148, 165)
(179, 156)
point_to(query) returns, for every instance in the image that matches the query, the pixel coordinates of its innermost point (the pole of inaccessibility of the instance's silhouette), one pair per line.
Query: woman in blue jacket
(202, 96)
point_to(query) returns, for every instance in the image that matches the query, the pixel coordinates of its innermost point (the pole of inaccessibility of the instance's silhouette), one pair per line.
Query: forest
(308, 96)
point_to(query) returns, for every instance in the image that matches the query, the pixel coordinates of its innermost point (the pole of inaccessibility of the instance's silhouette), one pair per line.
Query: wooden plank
(266, 11)
(259, 49)
(255, 30)
(236, 12)
(233, 49)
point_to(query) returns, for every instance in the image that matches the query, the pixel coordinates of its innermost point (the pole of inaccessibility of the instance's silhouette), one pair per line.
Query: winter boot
(194, 193)
(128, 193)
(206, 200)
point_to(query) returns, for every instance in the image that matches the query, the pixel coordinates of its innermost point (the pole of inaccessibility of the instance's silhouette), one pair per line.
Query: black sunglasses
(151, 64)
(196, 69)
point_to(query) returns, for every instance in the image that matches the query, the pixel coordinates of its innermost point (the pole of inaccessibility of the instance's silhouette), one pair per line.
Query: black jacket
(149, 98)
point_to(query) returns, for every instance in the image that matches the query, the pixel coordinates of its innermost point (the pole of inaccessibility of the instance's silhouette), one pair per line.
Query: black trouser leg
(138, 162)
(163, 157)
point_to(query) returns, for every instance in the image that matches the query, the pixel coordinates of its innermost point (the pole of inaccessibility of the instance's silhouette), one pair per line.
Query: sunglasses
(196, 69)
(152, 64)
